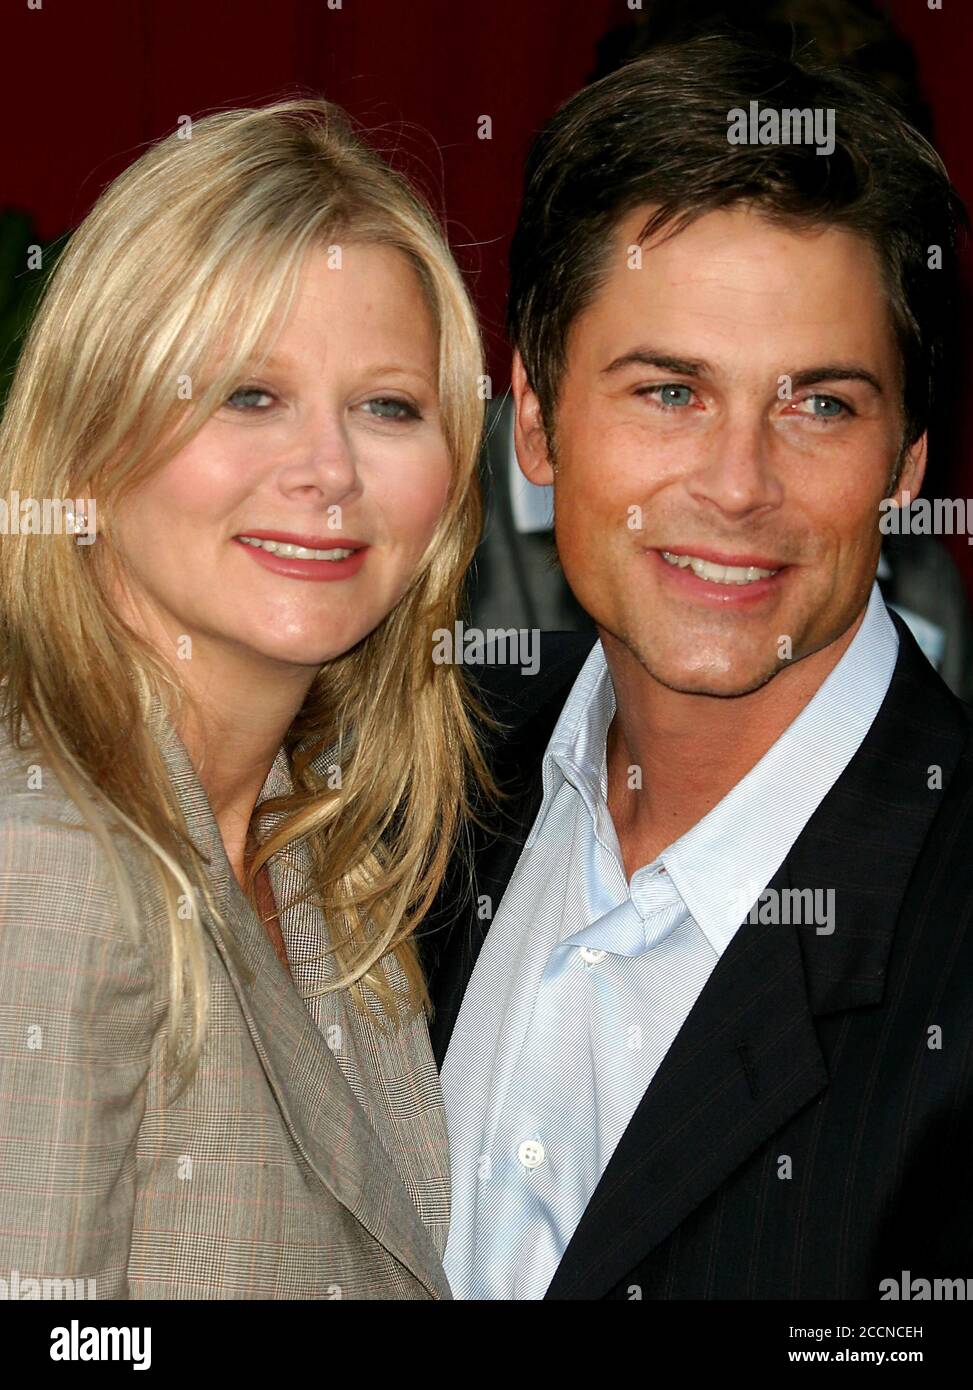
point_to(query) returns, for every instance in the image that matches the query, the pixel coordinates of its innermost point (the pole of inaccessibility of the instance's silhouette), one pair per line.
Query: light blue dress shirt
(585, 979)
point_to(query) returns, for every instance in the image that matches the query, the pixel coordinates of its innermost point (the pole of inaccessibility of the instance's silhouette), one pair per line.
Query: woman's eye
(235, 402)
(670, 395)
(390, 408)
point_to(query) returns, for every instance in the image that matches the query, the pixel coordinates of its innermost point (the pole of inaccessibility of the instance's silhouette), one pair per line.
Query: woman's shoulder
(32, 799)
(55, 872)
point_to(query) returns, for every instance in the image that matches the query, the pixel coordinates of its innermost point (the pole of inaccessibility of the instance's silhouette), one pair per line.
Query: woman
(231, 773)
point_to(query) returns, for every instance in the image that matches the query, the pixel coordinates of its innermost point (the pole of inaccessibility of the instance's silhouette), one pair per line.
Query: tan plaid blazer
(307, 1159)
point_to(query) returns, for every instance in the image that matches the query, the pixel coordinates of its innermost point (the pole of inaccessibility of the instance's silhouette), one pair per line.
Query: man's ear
(912, 471)
(530, 439)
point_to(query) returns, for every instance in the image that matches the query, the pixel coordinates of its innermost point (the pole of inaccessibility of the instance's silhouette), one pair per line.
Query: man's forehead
(736, 226)
(735, 271)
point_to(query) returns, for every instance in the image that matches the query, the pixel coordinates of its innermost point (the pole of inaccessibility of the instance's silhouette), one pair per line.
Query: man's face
(734, 402)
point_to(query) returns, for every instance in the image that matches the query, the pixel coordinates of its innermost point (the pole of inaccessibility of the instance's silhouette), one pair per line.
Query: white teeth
(295, 552)
(717, 574)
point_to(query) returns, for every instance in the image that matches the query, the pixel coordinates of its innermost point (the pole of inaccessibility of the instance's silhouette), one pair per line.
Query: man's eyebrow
(836, 371)
(697, 366)
(650, 357)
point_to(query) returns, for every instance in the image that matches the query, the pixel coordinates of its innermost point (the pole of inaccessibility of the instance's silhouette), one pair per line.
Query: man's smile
(707, 576)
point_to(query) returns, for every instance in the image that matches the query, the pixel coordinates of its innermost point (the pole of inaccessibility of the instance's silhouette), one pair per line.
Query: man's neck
(672, 757)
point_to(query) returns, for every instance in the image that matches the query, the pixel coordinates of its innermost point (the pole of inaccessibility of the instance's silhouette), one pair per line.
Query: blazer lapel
(746, 1059)
(748, 1056)
(326, 1122)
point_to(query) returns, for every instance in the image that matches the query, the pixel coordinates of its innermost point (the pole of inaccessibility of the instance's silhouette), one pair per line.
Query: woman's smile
(304, 557)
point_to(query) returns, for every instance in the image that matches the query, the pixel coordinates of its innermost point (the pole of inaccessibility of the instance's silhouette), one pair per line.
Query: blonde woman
(231, 773)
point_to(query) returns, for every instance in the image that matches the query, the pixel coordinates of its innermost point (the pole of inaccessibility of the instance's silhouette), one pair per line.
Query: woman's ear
(530, 437)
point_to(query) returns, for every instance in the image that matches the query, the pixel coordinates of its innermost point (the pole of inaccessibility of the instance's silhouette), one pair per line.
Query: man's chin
(720, 669)
(726, 683)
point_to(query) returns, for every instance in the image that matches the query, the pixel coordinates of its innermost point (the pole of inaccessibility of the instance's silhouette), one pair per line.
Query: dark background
(87, 83)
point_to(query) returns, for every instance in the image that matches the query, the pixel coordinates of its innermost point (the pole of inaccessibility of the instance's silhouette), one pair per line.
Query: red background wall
(86, 83)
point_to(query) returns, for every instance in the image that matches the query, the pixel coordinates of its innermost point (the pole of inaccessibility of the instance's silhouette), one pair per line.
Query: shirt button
(531, 1153)
(591, 956)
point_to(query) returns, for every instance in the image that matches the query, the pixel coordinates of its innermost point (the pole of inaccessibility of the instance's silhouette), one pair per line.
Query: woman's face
(336, 445)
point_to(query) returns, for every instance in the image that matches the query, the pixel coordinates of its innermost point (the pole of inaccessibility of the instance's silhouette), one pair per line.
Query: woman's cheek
(416, 502)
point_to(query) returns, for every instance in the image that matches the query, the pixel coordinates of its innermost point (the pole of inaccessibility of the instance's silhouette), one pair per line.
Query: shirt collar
(576, 749)
(721, 865)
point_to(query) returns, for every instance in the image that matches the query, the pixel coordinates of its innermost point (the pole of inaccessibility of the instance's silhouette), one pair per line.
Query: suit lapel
(323, 1116)
(746, 1059)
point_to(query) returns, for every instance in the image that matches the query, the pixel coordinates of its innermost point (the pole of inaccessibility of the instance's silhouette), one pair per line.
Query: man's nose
(738, 474)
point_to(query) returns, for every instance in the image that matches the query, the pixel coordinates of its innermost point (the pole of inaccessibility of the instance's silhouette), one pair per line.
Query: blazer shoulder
(512, 691)
(56, 877)
(80, 1014)
(55, 873)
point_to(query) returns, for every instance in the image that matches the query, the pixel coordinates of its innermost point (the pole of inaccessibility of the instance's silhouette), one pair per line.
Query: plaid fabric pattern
(307, 1159)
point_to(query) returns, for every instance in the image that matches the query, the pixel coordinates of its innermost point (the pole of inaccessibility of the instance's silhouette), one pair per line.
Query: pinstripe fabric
(808, 1132)
(307, 1154)
(586, 979)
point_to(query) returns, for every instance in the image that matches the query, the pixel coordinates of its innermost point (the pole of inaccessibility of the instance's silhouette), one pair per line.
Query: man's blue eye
(670, 396)
(234, 404)
(833, 407)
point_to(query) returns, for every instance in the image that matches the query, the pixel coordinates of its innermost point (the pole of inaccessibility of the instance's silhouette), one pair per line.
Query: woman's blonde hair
(180, 273)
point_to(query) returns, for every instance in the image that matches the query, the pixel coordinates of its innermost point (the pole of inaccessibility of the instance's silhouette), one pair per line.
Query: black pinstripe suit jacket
(809, 1134)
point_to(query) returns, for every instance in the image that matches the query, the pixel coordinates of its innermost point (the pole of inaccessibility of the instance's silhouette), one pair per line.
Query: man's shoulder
(542, 670)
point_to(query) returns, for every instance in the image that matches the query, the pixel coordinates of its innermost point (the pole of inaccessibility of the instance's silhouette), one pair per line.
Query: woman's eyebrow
(257, 362)
(395, 369)
(282, 362)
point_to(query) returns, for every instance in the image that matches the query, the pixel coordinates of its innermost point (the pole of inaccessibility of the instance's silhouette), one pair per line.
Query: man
(704, 1023)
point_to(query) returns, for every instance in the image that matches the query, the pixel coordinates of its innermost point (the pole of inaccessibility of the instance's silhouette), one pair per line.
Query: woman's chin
(299, 648)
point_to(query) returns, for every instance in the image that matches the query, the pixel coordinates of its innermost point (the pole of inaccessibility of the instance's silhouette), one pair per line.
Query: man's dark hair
(655, 132)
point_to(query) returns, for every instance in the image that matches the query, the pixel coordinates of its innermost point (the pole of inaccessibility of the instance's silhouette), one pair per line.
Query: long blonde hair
(180, 271)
